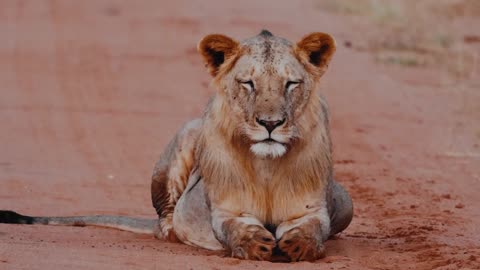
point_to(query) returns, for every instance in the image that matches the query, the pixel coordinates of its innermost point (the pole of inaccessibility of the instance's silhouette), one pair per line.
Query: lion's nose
(270, 125)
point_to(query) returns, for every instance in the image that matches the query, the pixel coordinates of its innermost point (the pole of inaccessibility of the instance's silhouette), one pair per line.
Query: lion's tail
(136, 225)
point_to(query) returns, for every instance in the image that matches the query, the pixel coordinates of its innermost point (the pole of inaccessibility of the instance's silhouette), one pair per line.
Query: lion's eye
(291, 85)
(248, 85)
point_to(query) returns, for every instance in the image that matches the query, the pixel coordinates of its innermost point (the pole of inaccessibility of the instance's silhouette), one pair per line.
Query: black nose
(270, 125)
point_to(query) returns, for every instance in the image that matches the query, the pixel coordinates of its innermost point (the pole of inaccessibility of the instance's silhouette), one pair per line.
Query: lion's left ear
(316, 49)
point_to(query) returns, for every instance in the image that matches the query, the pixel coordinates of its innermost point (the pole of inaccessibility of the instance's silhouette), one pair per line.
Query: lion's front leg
(302, 239)
(243, 236)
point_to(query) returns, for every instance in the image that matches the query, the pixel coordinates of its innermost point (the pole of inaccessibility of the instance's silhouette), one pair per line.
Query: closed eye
(290, 85)
(248, 85)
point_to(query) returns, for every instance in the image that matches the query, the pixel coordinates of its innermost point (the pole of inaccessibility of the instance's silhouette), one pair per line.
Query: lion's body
(255, 173)
(245, 186)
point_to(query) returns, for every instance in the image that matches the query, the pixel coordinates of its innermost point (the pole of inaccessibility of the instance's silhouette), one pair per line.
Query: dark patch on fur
(271, 228)
(264, 249)
(196, 182)
(11, 217)
(79, 223)
(218, 57)
(160, 195)
(265, 33)
(279, 255)
(316, 56)
(268, 51)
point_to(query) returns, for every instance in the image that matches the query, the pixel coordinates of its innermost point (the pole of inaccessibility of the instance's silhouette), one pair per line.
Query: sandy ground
(91, 91)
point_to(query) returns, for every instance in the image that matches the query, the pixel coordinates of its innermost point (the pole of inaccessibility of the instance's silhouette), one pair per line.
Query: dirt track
(91, 91)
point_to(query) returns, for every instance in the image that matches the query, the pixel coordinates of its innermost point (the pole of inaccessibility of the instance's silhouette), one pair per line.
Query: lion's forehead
(268, 49)
(282, 64)
(269, 53)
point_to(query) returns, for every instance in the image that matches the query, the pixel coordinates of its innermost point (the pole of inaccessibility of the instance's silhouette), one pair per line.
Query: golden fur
(262, 149)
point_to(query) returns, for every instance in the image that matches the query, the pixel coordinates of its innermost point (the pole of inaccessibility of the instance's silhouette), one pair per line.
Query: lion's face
(267, 82)
(267, 89)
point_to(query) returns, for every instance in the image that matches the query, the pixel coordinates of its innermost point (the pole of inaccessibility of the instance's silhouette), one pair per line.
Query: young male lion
(254, 175)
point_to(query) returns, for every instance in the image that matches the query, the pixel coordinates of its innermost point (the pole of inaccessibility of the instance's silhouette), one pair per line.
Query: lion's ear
(317, 50)
(217, 49)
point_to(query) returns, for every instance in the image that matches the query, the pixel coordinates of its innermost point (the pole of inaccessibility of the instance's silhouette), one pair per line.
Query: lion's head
(266, 83)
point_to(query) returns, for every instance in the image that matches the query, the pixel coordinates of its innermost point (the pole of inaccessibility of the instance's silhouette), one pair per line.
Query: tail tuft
(11, 217)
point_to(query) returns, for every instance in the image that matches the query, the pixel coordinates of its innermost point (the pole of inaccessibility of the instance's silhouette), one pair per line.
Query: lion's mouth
(269, 141)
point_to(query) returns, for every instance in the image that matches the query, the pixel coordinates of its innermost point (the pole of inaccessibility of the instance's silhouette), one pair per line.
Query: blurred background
(91, 92)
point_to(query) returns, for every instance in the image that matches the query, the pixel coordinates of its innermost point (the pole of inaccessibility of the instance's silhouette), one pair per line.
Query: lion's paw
(299, 246)
(252, 242)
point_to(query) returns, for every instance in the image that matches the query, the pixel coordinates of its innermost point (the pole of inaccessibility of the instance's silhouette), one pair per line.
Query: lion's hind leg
(341, 212)
(192, 217)
(170, 177)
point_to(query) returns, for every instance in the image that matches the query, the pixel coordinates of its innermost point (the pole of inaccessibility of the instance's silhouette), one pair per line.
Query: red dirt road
(91, 92)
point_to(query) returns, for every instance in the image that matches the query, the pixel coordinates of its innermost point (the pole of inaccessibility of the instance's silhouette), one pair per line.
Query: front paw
(252, 242)
(299, 245)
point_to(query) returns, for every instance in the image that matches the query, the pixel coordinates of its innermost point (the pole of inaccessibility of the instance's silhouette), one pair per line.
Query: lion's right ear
(217, 49)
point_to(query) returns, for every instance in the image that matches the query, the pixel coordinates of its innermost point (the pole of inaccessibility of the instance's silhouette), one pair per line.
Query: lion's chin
(268, 149)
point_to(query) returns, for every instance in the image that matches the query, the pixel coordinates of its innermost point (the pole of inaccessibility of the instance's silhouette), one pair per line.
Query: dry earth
(91, 91)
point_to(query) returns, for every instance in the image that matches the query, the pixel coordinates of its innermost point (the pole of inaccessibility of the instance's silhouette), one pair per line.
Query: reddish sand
(91, 92)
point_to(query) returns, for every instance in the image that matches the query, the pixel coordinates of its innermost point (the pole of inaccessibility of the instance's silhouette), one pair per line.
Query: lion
(254, 175)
